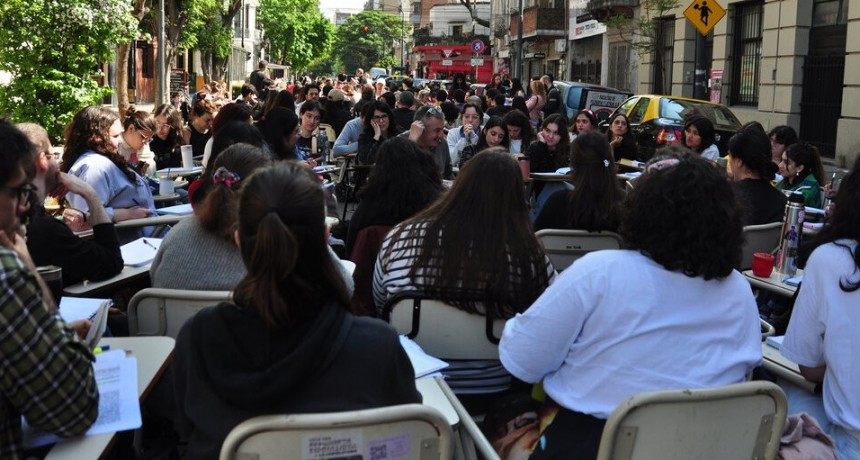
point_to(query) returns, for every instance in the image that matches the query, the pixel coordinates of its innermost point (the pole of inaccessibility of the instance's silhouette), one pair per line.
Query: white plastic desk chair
(759, 238)
(414, 431)
(158, 311)
(563, 247)
(740, 421)
(443, 330)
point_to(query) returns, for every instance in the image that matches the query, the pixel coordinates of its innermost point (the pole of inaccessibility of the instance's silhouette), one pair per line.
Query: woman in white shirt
(467, 133)
(700, 137)
(822, 336)
(668, 312)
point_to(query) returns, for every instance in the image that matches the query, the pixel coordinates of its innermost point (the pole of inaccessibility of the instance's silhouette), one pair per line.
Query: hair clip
(605, 163)
(226, 177)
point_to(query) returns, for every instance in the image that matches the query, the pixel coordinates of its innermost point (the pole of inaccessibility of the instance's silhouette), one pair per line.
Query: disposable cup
(165, 185)
(187, 157)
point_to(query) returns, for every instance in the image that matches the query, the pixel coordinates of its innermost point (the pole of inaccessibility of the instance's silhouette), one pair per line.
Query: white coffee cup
(165, 185)
(187, 157)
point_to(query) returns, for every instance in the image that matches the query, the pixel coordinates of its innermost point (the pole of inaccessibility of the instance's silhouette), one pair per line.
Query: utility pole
(519, 69)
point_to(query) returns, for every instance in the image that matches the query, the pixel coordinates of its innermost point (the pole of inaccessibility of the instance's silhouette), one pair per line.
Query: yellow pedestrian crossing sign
(704, 14)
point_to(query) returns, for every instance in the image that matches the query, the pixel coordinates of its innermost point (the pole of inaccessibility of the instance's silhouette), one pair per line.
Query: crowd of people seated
(446, 211)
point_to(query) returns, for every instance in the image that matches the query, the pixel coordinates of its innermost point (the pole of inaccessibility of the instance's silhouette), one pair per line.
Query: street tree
(366, 39)
(215, 37)
(645, 33)
(54, 51)
(123, 50)
(297, 33)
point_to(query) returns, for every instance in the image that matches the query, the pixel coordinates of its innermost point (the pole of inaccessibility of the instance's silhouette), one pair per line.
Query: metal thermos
(322, 145)
(792, 229)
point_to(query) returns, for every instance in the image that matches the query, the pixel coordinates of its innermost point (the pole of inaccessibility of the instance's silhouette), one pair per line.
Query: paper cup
(187, 157)
(165, 185)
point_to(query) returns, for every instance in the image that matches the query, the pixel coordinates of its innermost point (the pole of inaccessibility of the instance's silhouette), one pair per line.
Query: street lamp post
(519, 70)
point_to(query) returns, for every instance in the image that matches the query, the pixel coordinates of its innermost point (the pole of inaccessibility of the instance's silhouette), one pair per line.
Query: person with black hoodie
(287, 344)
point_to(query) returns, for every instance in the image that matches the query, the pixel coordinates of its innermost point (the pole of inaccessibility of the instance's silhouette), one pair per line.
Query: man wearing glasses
(47, 372)
(51, 242)
(428, 131)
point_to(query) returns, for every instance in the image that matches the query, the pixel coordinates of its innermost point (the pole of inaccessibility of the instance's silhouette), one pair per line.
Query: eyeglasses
(164, 125)
(145, 139)
(23, 191)
(380, 117)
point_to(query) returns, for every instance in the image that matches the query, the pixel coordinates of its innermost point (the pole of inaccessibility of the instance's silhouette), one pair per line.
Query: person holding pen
(91, 154)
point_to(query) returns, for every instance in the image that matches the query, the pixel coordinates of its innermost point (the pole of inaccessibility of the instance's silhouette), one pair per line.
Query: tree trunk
(219, 68)
(122, 78)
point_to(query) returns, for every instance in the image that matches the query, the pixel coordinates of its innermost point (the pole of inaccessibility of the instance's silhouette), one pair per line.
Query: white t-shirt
(824, 329)
(616, 323)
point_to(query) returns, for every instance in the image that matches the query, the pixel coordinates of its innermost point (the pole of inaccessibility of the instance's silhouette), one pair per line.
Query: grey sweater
(192, 258)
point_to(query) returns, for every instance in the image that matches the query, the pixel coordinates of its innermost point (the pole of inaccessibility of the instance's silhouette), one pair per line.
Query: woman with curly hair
(493, 266)
(92, 153)
(621, 322)
(822, 333)
(594, 203)
(520, 131)
(536, 102)
(803, 172)
(621, 139)
(378, 127)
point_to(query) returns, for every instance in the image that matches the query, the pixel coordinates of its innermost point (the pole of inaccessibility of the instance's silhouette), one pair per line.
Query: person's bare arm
(813, 374)
(73, 184)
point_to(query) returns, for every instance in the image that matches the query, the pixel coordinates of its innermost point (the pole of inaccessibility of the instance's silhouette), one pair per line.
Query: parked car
(601, 100)
(376, 72)
(657, 121)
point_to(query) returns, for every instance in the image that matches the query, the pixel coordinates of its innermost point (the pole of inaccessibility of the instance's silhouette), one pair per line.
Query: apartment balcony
(540, 22)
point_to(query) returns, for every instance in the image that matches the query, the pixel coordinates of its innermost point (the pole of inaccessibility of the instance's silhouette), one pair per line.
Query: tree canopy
(298, 34)
(366, 39)
(54, 50)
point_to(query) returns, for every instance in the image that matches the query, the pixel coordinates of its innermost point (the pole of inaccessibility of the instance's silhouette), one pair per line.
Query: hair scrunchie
(226, 177)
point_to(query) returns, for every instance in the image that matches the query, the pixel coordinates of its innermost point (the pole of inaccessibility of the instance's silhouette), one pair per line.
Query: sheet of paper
(119, 409)
(423, 363)
(178, 210)
(77, 308)
(775, 341)
(140, 251)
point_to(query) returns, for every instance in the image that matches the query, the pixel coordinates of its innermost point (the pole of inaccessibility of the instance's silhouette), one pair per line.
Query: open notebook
(95, 310)
(140, 251)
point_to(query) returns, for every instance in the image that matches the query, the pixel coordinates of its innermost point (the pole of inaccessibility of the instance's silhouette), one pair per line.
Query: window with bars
(746, 59)
(665, 56)
(619, 66)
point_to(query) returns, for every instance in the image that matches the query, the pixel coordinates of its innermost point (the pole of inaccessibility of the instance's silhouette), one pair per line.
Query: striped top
(391, 277)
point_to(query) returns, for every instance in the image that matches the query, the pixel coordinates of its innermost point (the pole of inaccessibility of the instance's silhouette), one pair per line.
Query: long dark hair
(496, 259)
(291, 276)
(231, 112)
(89, 130)
(368, 117)
(844, 224)
(217, 212)
(174, 120)
(685, 218)
(806, 154)
(404, 179)
(628, 148)
(520, 119)
(703, 126)
(279, 125)
(595, 198)
(140, 119)
(752, 147)
(493, 122)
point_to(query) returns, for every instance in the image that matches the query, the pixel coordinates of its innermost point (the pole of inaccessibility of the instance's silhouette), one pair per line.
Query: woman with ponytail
(287, 343)
(199, 252)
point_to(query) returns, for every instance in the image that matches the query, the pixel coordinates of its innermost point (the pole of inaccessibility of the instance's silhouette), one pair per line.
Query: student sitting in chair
(288, 343)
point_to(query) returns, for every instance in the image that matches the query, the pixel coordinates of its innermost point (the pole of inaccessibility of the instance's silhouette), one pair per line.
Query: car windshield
(678, 110)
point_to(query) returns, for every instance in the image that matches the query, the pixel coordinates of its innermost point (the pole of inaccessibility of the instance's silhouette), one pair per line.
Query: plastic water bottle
(792, 229)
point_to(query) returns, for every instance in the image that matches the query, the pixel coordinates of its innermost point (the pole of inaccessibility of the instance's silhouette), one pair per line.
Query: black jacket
(228, 367)
(51, 242)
